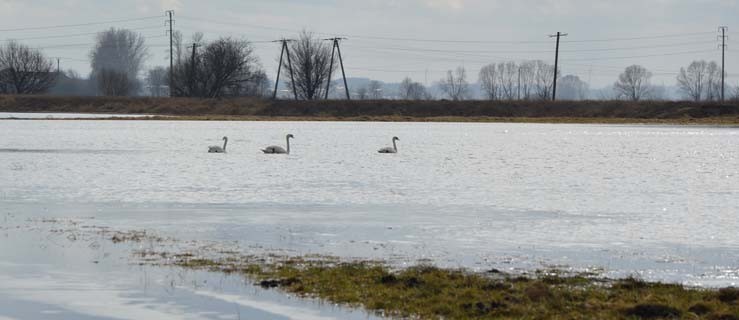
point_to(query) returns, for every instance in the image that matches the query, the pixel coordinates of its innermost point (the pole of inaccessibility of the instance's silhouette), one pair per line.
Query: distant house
(6, 79)
(66, 86)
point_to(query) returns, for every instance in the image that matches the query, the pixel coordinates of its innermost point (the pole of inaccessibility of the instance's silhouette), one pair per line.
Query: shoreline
(473, 111)
(422, 291)
(715, 122)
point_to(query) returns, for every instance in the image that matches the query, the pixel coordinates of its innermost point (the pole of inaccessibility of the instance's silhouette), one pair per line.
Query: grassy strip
(713, 121)
(671, 112)
(428, 292)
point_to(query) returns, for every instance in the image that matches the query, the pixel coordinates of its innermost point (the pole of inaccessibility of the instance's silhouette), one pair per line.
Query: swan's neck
(225, 141)
(395, 147)
(288, 145)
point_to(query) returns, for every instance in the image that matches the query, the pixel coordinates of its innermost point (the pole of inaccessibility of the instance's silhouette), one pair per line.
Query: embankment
(388, 110)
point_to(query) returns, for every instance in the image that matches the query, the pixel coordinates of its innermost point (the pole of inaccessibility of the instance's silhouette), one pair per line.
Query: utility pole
(283, 50)
(193, 63)
(341, 62)
(171, 55)
(556, 64)
(57, 66)
(723, 37)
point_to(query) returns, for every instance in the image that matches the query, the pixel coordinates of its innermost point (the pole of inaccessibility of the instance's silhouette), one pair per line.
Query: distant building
(66, 86)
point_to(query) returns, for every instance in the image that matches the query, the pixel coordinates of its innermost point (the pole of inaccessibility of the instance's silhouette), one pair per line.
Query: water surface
(658, 202)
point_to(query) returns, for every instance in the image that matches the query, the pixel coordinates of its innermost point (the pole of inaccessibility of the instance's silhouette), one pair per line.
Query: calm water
(658, 202)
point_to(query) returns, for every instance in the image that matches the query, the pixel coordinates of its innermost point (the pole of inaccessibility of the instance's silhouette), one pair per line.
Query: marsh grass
(428, 292)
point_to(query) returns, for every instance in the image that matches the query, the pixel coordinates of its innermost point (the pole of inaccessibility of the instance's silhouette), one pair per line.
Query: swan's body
(393, 149)
(219, 149)
(278, 149)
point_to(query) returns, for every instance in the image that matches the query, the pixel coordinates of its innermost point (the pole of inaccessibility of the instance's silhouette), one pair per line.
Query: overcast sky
(392, 39)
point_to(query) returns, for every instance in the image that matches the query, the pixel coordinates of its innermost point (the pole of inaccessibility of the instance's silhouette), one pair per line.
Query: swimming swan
(217, 149)
(278, 149)
(394, 149)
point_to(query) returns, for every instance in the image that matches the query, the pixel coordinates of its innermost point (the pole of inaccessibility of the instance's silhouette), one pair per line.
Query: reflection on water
(656, 201)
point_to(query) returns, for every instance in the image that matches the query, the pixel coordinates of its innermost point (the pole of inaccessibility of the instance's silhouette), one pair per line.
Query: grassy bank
(428, 292)
(422, 291)
(387, 110)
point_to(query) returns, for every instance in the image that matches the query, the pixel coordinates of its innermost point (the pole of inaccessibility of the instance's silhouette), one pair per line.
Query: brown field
(663, 112)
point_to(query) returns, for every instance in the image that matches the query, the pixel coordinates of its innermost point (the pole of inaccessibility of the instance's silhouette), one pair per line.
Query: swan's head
(290, 136)
(225, 138)
(396, 139)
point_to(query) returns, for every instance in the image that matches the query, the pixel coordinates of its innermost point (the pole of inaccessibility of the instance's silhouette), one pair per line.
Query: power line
(540, 51)
(674, 35)
(77, 45)
(642, 56)
(410, 39)
(74, 35)
(79, 24)
(237, 24)
(247, 37)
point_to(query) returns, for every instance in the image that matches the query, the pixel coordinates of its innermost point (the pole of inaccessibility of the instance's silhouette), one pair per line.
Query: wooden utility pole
(723, 37)
(193, 69)
(556, 64)
(171, 54)
(283, 50)
(337, 49)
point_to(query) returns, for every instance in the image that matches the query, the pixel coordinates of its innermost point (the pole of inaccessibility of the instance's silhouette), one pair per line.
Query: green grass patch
(428, 292)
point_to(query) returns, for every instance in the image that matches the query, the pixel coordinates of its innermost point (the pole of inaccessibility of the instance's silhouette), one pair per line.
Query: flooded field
(656, 202)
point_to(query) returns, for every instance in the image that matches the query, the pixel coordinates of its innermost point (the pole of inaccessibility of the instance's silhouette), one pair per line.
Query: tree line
(700, 81)
(228, 67)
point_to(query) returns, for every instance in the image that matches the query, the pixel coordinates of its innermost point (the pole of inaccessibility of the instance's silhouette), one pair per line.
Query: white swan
(218, 149)
(394, 149)
(278, 149)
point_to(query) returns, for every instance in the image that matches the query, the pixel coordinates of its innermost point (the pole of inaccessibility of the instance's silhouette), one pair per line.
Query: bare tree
(225, 67)
(72, 74)
(156, 80)
(507, 77)
(114, 83)
(489, 82)
(362, 93)
(24, 70)
(178, 47)
(701, 80)
(633, 84)
(375, 89)
(691, 81)
(455, 85)
(543, 79)
(713, 81)
(258, 86)
(527, 82)
(311, 61)
(120, 50)
(572, 88)
(410, 90)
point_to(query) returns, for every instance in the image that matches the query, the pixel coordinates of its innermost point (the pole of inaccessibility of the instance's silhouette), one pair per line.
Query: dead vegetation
(387, 110)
